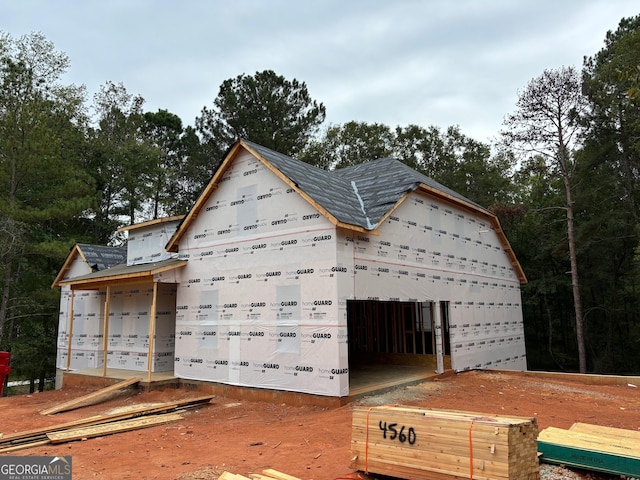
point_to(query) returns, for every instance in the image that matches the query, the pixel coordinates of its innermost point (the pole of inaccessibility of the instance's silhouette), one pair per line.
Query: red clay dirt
(308, 442)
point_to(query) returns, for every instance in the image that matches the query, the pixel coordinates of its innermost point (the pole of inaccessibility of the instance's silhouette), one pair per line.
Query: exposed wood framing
(152, 330)
(105, 331)
(70, 331)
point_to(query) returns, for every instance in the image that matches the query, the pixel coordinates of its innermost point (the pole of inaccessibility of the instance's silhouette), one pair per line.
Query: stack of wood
(592, 447)
(100, 425)
(429, 444)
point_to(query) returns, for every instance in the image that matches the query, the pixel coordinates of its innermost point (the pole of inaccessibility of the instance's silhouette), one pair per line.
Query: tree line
(562, 178)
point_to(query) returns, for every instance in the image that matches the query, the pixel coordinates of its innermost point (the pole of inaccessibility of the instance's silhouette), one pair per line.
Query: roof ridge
(361, 194)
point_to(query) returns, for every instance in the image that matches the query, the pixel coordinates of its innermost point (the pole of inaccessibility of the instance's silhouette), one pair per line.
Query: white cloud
(430, 62)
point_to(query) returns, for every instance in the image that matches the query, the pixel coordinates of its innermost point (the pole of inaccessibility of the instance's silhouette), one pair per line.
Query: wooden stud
(105, 332)
(73, 296)
(152, 330)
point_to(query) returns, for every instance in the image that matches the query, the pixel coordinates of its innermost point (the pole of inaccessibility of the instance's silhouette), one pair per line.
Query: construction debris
(93, 398)
(41, 436)
(93, 431)
(429, 444)
(265, 475)
(591, 447)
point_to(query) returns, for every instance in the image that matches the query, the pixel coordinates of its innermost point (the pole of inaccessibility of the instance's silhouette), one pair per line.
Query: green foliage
(457, 161)
(608, 199)
(62, 181)
(545, 124)
(265, 108)
(451, 158)
(349, 144)
(122, 161)
(43, 184)
(182, 169)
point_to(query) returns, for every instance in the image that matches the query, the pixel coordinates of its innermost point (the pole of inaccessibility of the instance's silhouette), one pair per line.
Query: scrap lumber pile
(265, 475)
(429, 444)
(100, 425)
(591, 447)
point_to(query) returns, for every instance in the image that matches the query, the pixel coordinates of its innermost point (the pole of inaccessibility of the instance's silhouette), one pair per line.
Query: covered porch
(137, 319)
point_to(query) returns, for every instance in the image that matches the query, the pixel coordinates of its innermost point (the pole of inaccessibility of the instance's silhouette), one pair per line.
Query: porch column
(152, 330)
(73, 296)
(105, 332)
(437, 323)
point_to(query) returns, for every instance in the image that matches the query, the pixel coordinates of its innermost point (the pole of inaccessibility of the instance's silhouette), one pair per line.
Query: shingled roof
(97, 257)
(100, 257)
(360, 195)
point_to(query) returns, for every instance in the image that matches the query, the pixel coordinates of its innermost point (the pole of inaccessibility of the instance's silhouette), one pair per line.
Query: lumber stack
(591, 447)
(430, 444)
(99, 425)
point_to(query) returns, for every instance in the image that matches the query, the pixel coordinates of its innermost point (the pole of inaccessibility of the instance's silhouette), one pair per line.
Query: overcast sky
(397, 62)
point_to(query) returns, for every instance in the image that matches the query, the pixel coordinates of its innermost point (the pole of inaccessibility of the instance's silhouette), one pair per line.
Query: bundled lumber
(611, 432)
(591, 447)
(428, 444)
(93, 398)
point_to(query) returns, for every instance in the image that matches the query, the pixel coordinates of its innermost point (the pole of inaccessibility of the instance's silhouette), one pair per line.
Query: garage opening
(394, 332)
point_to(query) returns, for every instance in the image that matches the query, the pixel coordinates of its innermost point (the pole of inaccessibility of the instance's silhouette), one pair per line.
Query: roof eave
(491, 217)
(172, 245)
(75, 250)
(95, 283)
(155, 221)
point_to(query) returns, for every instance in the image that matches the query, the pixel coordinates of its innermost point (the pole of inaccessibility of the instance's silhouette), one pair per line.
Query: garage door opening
(394, 332)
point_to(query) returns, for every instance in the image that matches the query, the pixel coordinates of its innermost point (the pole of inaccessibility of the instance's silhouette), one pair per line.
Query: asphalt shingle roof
(359, 195)
(100, 257)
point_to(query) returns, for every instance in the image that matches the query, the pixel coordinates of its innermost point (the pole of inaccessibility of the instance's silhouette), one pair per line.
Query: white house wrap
(291, 275)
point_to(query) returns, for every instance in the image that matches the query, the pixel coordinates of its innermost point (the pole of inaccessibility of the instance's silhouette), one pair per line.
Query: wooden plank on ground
(23, 446)
(111, 428)
(97, 419)
(268, 474)
(278, 475)
(232, 476)
(92, 398)
(609, 454)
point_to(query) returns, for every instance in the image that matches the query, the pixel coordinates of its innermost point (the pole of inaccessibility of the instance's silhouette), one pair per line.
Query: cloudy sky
(397, 62)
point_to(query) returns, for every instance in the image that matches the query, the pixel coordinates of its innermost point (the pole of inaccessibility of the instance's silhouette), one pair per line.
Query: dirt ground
(308, 442)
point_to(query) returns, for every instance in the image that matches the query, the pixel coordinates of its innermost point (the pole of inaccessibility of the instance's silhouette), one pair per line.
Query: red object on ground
(5, 369)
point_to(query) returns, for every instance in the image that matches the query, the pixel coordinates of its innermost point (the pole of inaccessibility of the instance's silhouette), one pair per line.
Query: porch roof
(121, 274)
